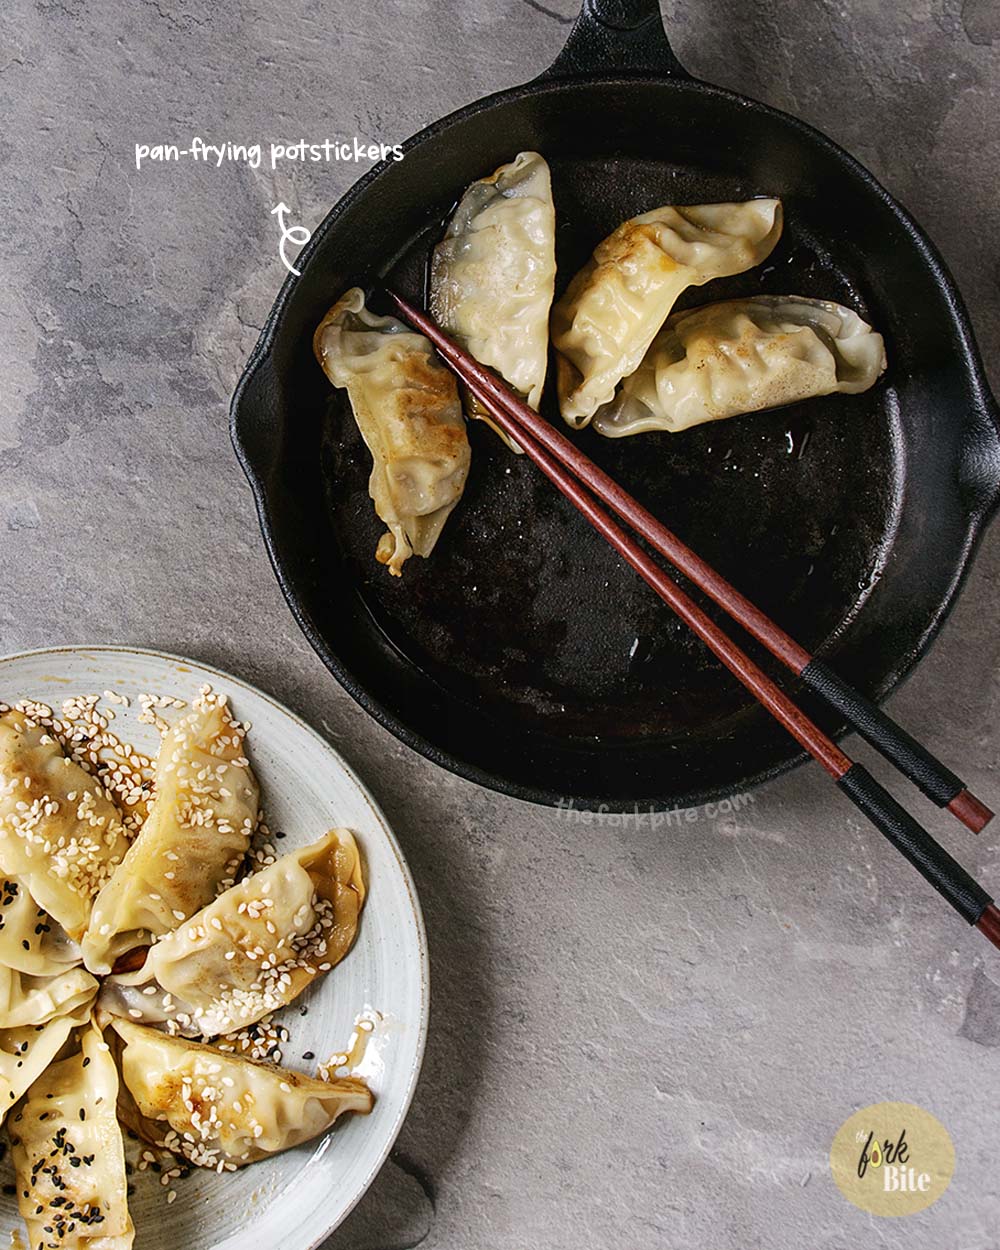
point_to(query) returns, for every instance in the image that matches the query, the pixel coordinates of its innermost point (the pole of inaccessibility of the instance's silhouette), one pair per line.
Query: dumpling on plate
(29, 1000)
(25, 1052)
(742, 356)
(221, 1111)
(30, 940)
(60, 834)
(254, 949)
(613, 308)
(68, 1154)
(194, 838)
(493, 275)
(406, 405)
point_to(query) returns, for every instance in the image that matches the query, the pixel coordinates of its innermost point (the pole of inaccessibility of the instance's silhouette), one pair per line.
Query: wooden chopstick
(964, 894)
(912, 759)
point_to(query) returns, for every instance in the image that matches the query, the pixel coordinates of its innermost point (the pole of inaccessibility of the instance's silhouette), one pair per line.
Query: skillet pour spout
(523, 655)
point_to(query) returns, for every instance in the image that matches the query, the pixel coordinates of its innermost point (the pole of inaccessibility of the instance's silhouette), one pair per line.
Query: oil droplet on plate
(351, 1058)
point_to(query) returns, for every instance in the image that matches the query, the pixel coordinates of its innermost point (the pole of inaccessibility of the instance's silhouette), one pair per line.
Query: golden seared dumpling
(406, 405)
(195, 837)
(613, 308)
(254, 949)
(69, 1156)
(219, 1110)
(60, 834)
(745, 355)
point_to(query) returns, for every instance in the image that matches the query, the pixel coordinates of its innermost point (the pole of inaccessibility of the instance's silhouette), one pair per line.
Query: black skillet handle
(616, 37)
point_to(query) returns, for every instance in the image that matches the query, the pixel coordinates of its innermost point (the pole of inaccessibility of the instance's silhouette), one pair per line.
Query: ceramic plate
(296, 1199)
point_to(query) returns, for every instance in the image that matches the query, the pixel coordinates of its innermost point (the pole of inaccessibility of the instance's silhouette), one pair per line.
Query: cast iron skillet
(523, 654)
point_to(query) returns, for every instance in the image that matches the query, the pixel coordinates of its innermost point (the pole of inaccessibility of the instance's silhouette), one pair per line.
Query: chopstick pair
(559, 459)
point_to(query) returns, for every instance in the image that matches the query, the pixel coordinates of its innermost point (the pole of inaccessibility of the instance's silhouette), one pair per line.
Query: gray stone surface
(638, 1040)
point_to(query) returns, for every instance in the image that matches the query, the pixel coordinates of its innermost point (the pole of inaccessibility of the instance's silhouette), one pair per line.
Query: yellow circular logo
(893, 1158)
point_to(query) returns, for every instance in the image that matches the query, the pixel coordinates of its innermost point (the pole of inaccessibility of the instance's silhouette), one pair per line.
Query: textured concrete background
(637, 1040)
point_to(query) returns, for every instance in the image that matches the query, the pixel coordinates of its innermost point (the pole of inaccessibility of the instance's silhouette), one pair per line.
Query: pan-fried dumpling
(27, 1051)
(30, 940)
(25, 999)
(254, 949)
(741, 356)
(407, 408)
(493, 275)
(60, 834)
(614, 306)
(221, 1111)
(69, 1156)
(195, 836)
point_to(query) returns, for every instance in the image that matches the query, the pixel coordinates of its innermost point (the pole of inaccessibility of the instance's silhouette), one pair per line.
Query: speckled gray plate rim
(298, 1198)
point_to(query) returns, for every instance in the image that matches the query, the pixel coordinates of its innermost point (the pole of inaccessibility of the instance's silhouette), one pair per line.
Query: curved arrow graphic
(298, 235)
